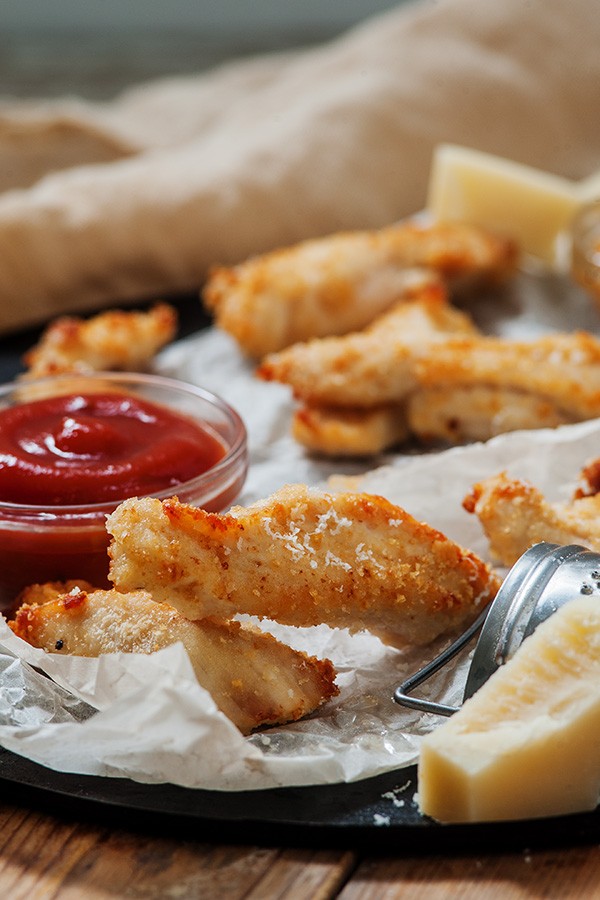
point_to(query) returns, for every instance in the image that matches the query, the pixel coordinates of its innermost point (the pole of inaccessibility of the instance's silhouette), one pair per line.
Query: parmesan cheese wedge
(533, 207)
(527, 744)
(588, 189)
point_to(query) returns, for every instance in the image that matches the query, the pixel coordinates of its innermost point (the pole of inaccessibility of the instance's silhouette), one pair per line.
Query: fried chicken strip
(340, 283)
(562, 370)
(302, 557)
(435, 415)
(37, 594)
(253, 678)
(515, 515)
(349, 432)
(120, 340)
(589, 480)
(455, 415)
(371, 367)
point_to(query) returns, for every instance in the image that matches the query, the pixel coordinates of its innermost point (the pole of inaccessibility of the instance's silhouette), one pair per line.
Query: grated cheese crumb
(378, 819)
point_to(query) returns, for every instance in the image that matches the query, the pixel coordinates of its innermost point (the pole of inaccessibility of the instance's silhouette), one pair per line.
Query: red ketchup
(66, 461)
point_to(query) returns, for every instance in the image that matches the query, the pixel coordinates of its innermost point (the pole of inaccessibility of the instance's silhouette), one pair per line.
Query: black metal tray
(340, 815)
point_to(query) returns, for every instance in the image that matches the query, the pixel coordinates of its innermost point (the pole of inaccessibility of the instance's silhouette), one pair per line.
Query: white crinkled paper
(156, 724)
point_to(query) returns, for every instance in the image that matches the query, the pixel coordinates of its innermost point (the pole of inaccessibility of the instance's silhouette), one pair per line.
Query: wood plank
(305, 875)
(566, 873)
(36, 855)
(44, 857)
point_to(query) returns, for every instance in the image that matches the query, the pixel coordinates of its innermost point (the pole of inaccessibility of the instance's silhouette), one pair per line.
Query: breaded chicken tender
(340, 283)
(434, 415)
(36, 594)
(119, 340)
(515, 515)
(302, 557)
(253, 678)
(349, 432)
(449, 387)
(589, 480)
(363, 431)
(456, 415)
(371, 367)
(561, 368)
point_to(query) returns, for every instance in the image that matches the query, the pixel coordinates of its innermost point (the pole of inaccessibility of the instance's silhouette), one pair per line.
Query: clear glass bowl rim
(226, 466)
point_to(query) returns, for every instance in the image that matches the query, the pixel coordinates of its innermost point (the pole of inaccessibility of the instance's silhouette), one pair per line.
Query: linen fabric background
(137, 197)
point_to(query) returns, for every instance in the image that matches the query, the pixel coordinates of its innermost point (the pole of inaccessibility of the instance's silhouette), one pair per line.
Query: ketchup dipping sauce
(73, 447)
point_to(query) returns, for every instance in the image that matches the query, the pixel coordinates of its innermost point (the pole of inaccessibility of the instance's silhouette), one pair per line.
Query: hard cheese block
(589, 188)
(533, 207)
(527, 744)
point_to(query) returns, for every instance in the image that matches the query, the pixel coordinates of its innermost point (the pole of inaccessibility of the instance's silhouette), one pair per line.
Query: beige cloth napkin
(142, 194)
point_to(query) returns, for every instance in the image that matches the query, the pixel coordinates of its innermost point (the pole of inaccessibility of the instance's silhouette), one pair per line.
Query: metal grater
(542, 580)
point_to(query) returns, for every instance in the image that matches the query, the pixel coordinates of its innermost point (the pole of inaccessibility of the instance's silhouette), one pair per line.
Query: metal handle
(402, 693)
(545, 577)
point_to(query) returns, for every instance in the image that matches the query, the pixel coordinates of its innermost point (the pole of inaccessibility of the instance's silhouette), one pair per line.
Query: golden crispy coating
(445, 386)
(515, 515)
(374, 368)
(349, 432)
(340, 283)
(36, 594)
(253, 678)
(370, 367)
(446, 415)
(476, 413)
(115, 339)
(561, 368)
(589, 480)
(302, 557)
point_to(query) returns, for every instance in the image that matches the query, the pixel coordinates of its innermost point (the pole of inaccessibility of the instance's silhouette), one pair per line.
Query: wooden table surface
(43, 856)
(53, 855)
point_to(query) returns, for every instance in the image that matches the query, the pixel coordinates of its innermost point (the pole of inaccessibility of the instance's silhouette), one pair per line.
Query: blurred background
(94, 49)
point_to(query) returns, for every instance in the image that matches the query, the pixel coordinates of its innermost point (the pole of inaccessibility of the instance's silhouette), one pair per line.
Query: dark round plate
(378, 813)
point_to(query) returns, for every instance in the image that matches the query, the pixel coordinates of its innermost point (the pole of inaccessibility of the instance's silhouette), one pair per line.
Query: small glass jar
(57, 543)
(585, 249)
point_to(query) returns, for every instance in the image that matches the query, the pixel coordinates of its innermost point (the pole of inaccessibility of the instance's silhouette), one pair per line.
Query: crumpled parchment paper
(154, 723)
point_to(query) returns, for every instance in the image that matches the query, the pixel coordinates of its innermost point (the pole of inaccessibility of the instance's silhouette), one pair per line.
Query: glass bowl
(585, 249)
(46, 543)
